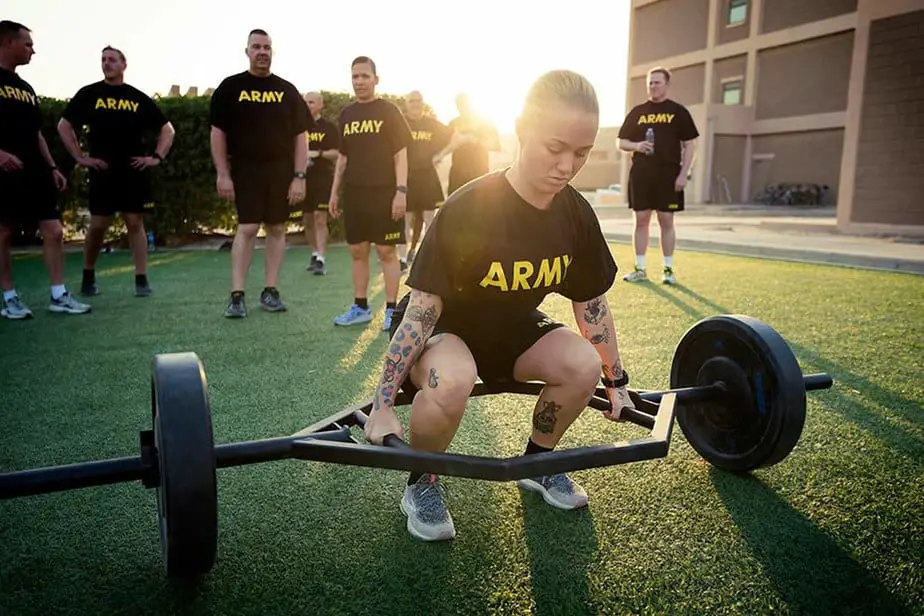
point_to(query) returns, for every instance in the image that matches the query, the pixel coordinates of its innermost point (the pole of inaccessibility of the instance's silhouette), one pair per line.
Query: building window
(737, 12)
(731, 93)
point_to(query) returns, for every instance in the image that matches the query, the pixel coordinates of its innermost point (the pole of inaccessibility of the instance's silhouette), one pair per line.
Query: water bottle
(151, 246)
(649, 137)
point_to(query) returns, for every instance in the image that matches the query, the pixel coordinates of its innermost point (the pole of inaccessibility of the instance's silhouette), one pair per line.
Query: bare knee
(359, 252)
(642, 218)
(247, 232)
(99, 224)
(52, 231)
(666, 220)
(320, 219)
(580, 368)
(134, 223)
(387, 254)
(448, 390)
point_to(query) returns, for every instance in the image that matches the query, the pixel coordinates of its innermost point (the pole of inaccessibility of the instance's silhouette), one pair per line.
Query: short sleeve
(331, 139)
(342, 143)
(154, 117)
(75, 111)
(593, 270)
(629, 129)
(433, 267)
(687, 127)
(219, 113)
(400, 131)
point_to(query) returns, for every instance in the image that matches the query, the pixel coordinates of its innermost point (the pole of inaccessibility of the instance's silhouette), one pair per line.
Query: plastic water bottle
(649, 137)
(151, 246)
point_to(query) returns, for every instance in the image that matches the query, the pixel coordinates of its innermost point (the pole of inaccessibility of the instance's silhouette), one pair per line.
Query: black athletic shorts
(261, 191)
(495, 356)
(28, 195)
(424, 190)
(653, 189)
(120, 189)
(367, 216)
(318, 193)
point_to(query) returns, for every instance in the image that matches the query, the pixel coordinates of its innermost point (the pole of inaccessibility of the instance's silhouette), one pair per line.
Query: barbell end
(820, 380)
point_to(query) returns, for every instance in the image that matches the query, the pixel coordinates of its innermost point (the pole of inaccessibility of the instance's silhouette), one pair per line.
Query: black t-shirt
(260, 116)
(20, 117)
(118, 117)
(492, 257)
(672, 124)
(322, 137)
(429, 136)
(472, 159)
(370, 136)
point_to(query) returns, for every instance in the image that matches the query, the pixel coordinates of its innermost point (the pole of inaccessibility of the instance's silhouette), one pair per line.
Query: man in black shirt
(497, 248)
(431, 142)
(372, 170)
(259, 149)
(323, 141)
(119, 118)
(29, 179)
(662, 136)
(479, 137)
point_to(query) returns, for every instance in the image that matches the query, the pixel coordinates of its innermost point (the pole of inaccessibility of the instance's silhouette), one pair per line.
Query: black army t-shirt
(672, 124)
(20, 117)
(260, 116)
(472, 159)
(492, 257)
(119, 118)
(322, 137)
(428, 137)
(370, 136)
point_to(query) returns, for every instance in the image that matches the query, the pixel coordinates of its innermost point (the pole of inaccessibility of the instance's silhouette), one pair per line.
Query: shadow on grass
(562, 545)
(895, 436)
(811, 573)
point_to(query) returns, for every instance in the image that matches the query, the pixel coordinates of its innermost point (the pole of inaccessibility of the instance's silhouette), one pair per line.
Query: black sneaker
(236, 309)
(270, 301)
(142, 290)
(320, 268)
(89, 290)
(313, 266)
(403, 265)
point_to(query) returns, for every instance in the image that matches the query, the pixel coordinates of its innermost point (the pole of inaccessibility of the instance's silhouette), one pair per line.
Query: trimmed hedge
(187, 204)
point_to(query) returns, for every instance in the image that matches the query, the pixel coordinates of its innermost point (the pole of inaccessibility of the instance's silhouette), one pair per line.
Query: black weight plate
(760, 420)
(187, 497)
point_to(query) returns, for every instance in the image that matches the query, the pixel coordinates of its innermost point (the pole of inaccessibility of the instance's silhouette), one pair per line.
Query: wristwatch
(620, 382)
(402, 189)
(300, 175)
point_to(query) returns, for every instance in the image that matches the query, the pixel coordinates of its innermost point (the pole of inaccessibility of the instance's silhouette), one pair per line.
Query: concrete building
(829, 92)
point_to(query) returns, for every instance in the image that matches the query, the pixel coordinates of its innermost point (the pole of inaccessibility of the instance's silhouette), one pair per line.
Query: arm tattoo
(594, 311)
(434, 379)
(614, 371)
(427, 317)
(544, 419)
(601, 337)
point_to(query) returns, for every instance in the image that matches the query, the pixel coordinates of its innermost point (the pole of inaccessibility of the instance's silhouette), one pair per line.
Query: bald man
(323, 149)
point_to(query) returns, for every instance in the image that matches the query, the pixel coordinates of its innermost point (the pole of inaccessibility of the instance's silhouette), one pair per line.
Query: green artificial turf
(836, 528)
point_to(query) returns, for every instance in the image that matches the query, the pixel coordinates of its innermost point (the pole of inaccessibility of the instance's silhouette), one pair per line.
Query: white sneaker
(636, 276)
(68, 304)
(14, 308)
(668, 276)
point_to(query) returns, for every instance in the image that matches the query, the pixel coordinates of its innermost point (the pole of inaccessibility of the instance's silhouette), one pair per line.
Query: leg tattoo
(434, 379)
(544, 420)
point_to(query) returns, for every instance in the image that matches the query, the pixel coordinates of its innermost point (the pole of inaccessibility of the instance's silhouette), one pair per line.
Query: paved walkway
(808, 235)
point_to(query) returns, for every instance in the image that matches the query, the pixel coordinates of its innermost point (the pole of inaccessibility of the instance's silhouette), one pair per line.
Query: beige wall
(727, 68)
(728, 34)
(801, 158)
(670, 27)
(889, 185)
(804, 78)
(728, 162)
(781, 14)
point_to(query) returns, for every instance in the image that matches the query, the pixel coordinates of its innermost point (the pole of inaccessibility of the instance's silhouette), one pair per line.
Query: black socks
(89, 277)
(141, 280)
(532, 447)
(391, 305)
(362, 302)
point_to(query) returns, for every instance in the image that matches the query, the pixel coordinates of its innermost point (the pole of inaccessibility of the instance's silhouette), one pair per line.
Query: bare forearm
(301, 152)
(627, 146)
(165, 140)
(689, 152)
(420, 318)
(219, 146)
(596, 324)
(338, 173)
(43, 149)
(69, 139)
(331, 155)
(401, 167)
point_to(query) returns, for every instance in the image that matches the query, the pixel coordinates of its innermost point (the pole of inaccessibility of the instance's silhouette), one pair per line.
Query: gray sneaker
(68, 304)
(14, 308)
(270, 301)
(637, 275)
(424, 504)
(142, 290)
(236, 309)
(557, 490)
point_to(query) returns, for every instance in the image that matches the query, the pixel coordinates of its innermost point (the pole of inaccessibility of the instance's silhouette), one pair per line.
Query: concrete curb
(782, 254)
